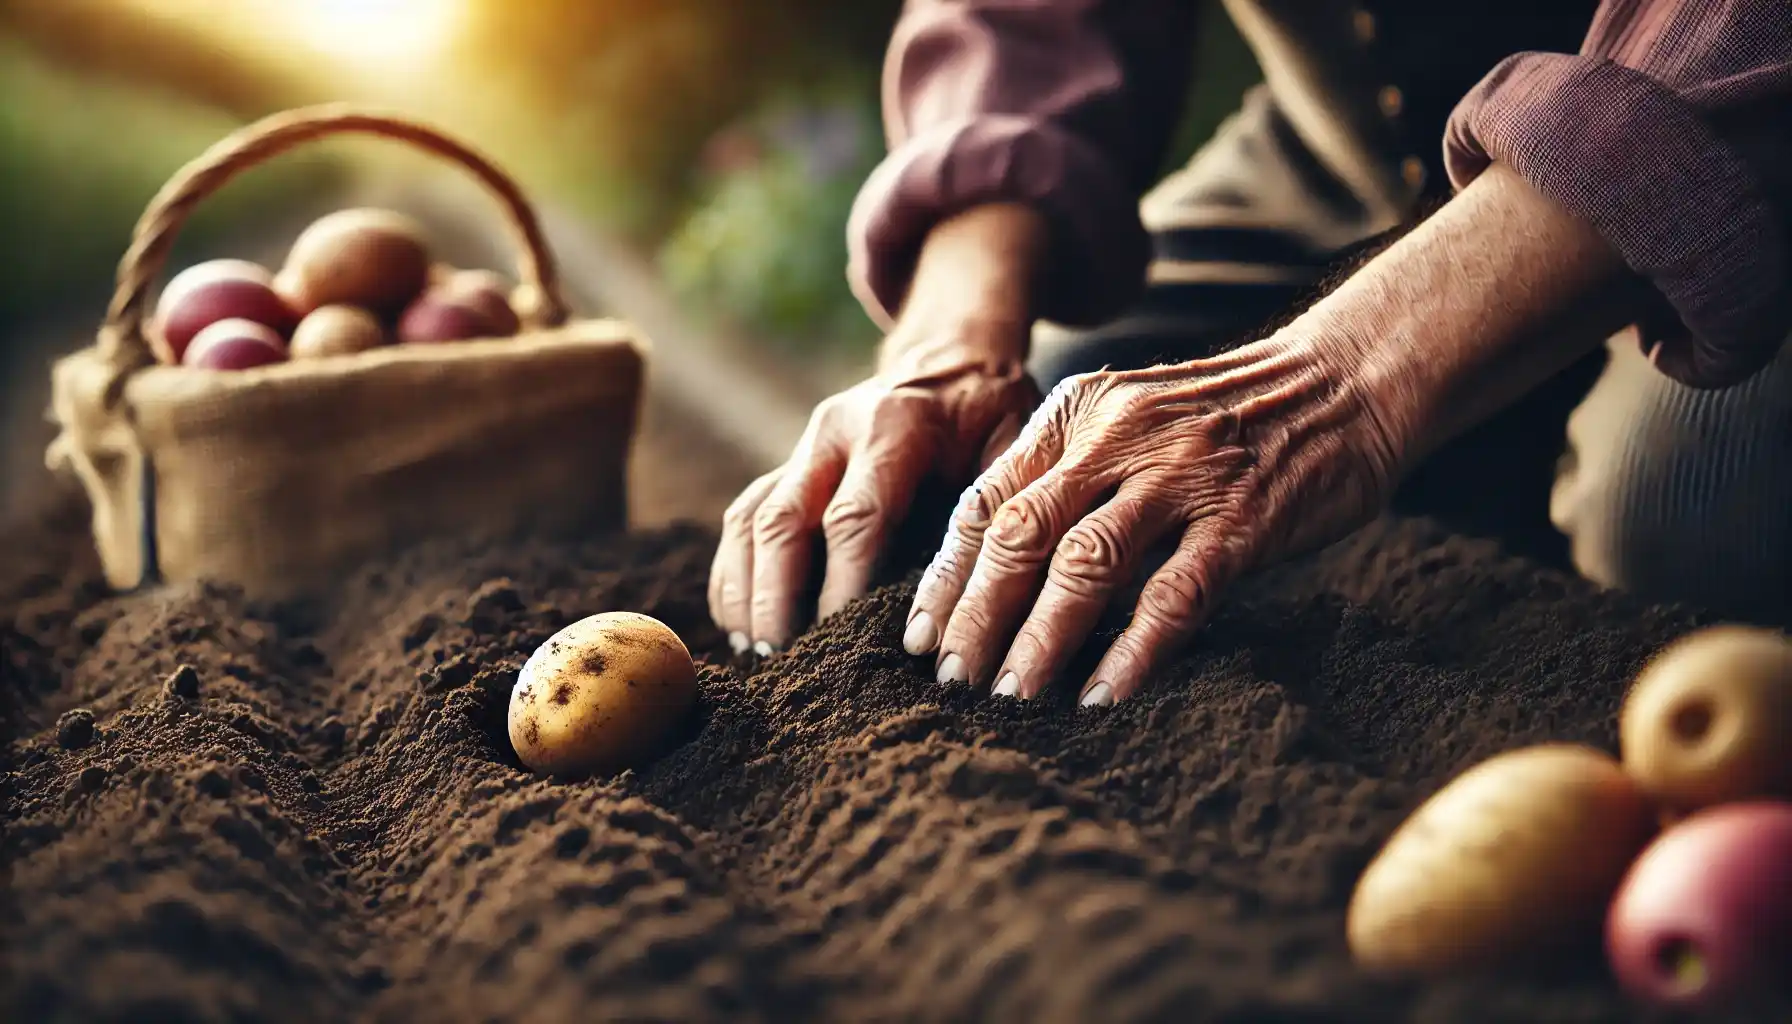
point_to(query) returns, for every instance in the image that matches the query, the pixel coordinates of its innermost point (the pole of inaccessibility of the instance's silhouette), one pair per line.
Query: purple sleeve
(1064, 104)
(1671, 133)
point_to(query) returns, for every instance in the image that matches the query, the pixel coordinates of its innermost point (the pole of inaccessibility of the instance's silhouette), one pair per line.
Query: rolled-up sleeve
(1066, 105)
(1670, 133)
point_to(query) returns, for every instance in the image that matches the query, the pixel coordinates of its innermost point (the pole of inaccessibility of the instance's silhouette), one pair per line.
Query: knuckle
(1093, 550)
(777, 521)
(739, 516)
(850, 520)
(897, 403)
(831, 414)
(970, 624)
(976, 506)
(1174, 596)
(729, 595)
(1020, 528)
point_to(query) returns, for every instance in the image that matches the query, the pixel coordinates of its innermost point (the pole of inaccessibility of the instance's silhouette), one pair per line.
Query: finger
(1097, 557)
(731, 573)
(1174, 603)
(782, 528)
(1038, 447)
(879, 484)
(1016, 549)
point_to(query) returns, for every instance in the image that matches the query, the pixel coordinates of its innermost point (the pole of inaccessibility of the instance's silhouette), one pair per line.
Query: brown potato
(336, 331)
(601, 695)
(375, 259)
(1517, 855)
(1709, 720)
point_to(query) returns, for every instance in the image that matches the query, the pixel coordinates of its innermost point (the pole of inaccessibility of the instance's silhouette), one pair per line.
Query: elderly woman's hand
(1243, 457)
(851, 479)
(1280, 445)
(949, 395)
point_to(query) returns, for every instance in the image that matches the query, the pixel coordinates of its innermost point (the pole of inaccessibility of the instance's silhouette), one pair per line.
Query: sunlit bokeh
(373, 31)
(369, 36)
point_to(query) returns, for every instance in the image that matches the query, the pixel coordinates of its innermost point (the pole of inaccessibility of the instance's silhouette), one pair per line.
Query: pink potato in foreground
(1705, 916)
(235, 345)
(206, 293)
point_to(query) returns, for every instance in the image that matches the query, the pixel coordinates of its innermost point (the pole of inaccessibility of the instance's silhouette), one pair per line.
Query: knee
(1681, 495)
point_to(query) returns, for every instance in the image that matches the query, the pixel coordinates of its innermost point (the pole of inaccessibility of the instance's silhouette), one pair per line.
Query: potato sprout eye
(1691, 723)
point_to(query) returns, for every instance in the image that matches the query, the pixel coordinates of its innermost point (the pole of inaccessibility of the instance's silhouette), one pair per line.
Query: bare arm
(1065, 106)
(1669, 134)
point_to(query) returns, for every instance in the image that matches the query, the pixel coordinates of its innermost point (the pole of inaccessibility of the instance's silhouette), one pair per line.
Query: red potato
(375, 259)
(441, 314)
(235, 345)
(336, 331)
(208, 292)
(1705, 915)
(489, 293)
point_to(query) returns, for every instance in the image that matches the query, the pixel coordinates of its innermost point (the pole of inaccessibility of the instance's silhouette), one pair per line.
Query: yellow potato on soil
(1709, 720)
(1515, 856)
(601, 695)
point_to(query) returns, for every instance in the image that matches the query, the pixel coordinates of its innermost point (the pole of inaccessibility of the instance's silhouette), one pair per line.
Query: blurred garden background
(695, 158)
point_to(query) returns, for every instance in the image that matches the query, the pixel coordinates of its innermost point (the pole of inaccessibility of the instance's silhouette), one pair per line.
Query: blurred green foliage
(81, 156)
(608, 105)
(613, 100)
(764, 247)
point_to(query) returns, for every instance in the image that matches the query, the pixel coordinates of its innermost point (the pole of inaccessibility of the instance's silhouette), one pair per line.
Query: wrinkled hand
(852, 477)
(1246, 456)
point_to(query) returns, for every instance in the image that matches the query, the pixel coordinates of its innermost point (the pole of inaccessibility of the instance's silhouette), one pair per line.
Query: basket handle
(123, 339)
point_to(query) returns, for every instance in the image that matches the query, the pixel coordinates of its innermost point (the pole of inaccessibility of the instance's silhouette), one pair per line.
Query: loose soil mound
(319, 818)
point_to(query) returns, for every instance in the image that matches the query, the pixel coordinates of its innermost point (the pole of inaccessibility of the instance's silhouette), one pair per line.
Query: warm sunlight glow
(378, 36)
(374, 33)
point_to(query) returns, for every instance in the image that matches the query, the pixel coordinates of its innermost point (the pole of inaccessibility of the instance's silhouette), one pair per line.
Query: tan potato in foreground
(601, 695)
(1515, 856)
(1709, 720)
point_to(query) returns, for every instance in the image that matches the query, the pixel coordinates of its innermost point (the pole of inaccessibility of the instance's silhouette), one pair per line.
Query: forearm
(973, 294)
(1667, 134)
(1065, 105)
(1499, 290)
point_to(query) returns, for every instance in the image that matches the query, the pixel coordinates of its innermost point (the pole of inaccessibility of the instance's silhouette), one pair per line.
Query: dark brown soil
(309, 812)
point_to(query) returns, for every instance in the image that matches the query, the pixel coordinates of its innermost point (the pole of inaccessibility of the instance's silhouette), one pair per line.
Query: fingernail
(1099, 696)
(763, 649)
(952, 670)
(739, 642)
(921, 636)
(1007, 686)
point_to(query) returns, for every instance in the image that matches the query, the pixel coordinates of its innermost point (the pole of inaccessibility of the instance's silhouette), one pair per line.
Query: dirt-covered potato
(1516, 855)
(1709, 720)
(601, 695)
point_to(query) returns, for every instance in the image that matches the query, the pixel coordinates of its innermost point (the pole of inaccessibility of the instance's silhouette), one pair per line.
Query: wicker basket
(278, 477)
